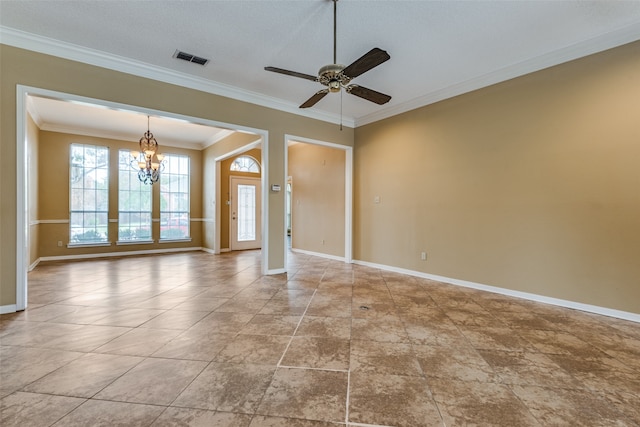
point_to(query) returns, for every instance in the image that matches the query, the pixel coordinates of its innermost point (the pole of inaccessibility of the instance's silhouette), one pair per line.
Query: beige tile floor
(202, 340)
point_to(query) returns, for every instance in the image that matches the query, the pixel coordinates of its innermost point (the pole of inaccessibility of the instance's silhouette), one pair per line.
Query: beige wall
(318, 198)
(54, 196)
(33, 145)
(531, 185)
(19, 66)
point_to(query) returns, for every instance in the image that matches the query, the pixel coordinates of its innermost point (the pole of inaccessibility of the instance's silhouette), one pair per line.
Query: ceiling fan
(336, 76)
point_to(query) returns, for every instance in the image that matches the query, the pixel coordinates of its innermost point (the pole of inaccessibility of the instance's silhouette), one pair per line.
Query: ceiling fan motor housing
(331, 76)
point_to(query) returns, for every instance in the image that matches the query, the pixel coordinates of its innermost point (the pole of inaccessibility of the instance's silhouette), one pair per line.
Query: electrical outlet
(59, 243)
(376, 199)
(423, 256)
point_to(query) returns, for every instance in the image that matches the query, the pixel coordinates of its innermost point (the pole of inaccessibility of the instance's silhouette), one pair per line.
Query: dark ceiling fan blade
(315, 98)
(368, 94)
(369, 60)
(292, 73)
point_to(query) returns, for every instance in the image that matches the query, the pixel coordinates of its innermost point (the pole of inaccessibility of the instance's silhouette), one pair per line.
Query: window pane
(89, 199)
(102, 200)
(76, 219)
(246, 213)
(76, 176)
(89, 181)
(184, 184)
(76, 200)
(102, 179)
(145, 204)
(174, 198)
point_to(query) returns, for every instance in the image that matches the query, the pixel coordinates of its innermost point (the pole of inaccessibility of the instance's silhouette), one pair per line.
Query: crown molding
(23, 40)
(624, 35)
(73, 52)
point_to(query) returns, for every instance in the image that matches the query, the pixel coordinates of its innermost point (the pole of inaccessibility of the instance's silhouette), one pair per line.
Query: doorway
(23, 206)
(340, 212)
(246, 208)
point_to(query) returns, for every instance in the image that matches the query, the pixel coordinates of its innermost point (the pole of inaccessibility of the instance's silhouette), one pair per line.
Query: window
(245, 164)
(134, 203)
(89, 194)
(174, 198)
(246, 213)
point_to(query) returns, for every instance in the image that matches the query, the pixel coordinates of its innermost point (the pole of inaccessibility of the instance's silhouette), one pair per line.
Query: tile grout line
(412, 346)
(279, 364)
(346, 410)
(313, 369)
(368, 425)
(348, 396)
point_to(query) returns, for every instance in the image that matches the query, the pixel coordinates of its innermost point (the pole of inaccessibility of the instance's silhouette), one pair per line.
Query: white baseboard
(634, 317)
(11, 308)
(318, 254)
(34, 265)
(208, 250)
(276, 271)
(117, 254)
(223, 250)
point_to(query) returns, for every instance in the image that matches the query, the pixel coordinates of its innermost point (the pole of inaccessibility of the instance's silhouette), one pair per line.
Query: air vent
(190, 58)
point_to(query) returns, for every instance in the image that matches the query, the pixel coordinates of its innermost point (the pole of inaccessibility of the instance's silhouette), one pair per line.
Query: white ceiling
(116, 123)
(438, 49)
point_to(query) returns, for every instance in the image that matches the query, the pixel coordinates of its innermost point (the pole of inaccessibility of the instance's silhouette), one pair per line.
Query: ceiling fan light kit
(331, 76)
(337, 76)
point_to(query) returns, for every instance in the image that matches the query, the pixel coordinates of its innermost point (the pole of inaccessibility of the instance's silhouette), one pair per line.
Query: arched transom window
(245, 164)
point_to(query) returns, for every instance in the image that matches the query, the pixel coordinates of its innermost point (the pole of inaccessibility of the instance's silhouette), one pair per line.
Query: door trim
(22, 222)
(257, 182)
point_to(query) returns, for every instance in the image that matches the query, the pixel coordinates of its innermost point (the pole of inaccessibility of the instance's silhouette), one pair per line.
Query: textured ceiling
(438, 48)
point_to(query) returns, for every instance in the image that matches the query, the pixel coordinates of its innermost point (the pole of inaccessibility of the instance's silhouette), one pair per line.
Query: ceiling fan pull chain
(340, 110)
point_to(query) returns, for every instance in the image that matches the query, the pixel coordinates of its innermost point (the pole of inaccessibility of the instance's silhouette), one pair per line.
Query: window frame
(138, 189)
(245, 168)
(178, 220)
(86, 190)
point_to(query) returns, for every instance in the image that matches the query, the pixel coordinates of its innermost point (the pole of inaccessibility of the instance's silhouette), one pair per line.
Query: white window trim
(134, 242)
(186, 239)
(88, 245)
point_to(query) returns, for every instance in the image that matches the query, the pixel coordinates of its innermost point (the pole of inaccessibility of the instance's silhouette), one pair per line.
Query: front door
(246, 208)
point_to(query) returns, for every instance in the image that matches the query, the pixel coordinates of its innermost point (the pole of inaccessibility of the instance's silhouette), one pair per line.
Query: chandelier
(148, 162)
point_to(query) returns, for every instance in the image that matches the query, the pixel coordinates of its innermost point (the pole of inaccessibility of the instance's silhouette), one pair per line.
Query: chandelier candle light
(148, 162)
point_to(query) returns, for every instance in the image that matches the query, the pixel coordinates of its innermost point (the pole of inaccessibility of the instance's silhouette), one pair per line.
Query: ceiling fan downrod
(335, 29)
